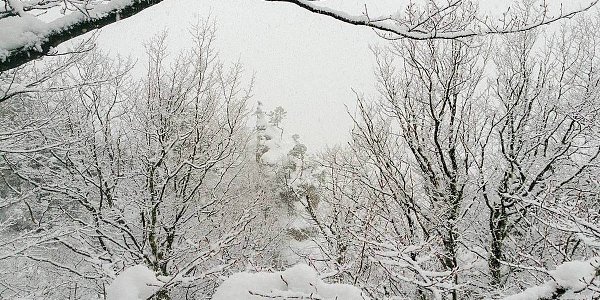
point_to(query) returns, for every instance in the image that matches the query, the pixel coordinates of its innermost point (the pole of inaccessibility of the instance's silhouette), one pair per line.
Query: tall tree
(146, 172)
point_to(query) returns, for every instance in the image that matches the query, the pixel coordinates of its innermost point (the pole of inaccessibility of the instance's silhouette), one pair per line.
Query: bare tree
(146, 172)
(546, 128)
(471, 175)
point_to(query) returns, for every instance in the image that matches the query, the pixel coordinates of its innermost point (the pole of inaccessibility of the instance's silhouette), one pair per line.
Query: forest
(473, 171)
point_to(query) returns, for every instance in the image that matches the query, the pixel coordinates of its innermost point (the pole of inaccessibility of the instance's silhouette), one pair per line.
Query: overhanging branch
(416, 33)
(56, 36)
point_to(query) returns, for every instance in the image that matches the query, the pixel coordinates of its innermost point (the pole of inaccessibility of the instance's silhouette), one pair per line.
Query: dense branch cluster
(472, 174)
(113, 172)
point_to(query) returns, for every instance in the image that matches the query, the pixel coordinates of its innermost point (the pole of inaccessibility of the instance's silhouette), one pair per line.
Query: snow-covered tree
(150, 172)
(290, 180)
(470, 175)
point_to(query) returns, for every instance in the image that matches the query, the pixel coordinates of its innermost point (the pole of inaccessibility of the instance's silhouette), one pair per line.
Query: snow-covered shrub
(297, 282)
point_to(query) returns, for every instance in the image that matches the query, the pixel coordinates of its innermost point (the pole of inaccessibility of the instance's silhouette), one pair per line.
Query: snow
(97, 12)
(572, 276)
(298, 281)
(134, 283)
(20, 32)
(541, 291)
(27, 31)
(17, 6)
(575, 274)
(277, 145)
(275, 153)
(278, 148)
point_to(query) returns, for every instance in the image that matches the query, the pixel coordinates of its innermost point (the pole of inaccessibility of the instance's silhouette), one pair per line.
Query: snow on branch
(134, 283)
(429, 23)
(570, 280)
(298, 282)
(24, 37)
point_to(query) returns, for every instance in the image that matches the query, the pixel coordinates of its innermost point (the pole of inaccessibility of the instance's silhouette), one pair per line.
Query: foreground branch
(66, 28)
(404, 28)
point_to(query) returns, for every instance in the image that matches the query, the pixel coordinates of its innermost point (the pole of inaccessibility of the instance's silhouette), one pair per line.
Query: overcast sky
(304, 62)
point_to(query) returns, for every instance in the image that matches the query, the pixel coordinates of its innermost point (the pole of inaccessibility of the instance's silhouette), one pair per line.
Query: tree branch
(401, 30)
(69, 27)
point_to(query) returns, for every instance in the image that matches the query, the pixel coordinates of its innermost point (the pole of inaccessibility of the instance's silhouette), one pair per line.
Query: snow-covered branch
(426, 26)
(25, 37)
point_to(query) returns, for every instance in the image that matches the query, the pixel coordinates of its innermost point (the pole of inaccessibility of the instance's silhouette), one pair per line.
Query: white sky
(305, 62)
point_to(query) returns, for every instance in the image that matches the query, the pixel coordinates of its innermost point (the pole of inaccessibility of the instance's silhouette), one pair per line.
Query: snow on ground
(298, 281)
(134, 283)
